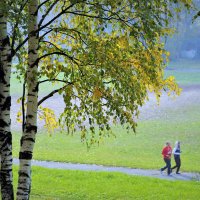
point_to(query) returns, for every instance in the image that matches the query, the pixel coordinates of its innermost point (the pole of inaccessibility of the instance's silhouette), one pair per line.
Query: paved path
(92, 167)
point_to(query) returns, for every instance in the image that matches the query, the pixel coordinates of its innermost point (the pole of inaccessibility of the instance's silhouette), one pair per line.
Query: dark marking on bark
(36, 88)
(6, 186)
(7, 104)
(7, 141)
(2, 75)
(9, 58)
(3, 123)
(30, 128)
(23, 174)
(31, 51)
(21, 140)
(5, 41)
(25, 155)
(31, 95)
(1, 96)
(29, 116)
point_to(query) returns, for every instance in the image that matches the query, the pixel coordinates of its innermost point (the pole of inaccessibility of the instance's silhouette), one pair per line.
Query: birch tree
(107, 55)
(5, 103)
(30, 129)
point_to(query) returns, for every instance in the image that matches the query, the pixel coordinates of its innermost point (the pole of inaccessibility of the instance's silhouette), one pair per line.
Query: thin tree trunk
(30, 129)
(6, 177)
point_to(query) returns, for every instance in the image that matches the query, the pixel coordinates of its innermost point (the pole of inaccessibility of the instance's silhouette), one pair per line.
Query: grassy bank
(50, 184)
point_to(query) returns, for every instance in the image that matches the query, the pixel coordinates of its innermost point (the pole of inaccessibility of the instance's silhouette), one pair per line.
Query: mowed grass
(184, 78)
(186, 72)
(140, 150)
(44, 88)
(52, 184)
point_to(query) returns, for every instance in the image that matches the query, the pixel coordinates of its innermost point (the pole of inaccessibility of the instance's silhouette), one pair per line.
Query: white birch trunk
(30, 130)
(5, 103)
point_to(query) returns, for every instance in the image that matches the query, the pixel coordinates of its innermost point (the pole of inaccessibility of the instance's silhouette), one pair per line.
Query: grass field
(140, 150)
(185, 72)
(50, 184)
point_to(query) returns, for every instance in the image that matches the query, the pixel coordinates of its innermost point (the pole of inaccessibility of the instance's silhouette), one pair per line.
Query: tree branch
(57, 53)
(42, 36)
(47, 12)
(15, 27)
(51, 80)
(44, 26)
(56, 17)
(52, 93)
(42, 4)
(51, 44)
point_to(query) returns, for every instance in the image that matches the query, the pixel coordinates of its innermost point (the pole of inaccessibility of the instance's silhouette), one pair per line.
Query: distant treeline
(185, 43)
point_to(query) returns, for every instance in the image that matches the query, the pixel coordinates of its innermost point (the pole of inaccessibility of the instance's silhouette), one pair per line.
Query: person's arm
(174, 150)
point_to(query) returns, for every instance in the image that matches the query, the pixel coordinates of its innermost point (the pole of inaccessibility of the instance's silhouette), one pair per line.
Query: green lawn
(185, 78)
(51, 184)
(141, 150)
(44, 88)
(186, 72)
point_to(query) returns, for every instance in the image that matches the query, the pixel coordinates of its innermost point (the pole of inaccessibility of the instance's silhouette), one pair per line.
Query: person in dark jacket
(167, 152)
(177, 152)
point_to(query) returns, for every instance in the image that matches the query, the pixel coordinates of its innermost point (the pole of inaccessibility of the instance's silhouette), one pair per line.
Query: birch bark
(6, 177)
(30, 129)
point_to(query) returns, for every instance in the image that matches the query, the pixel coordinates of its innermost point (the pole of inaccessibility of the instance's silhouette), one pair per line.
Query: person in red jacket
(167, 152)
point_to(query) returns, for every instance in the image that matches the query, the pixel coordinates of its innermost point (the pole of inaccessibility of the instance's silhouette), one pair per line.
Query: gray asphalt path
(185, 176)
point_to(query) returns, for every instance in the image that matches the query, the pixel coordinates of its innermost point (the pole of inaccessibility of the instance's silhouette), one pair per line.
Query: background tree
(186, 35)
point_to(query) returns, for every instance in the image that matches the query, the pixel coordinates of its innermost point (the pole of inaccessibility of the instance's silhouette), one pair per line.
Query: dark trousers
(168, 165)
(178, 163)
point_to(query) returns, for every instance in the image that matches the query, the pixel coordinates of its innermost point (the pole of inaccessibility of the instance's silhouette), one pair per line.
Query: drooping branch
(62, 32)
(52, 93)
(47, 32)
(52, 44)
(41, 28)
(65, 11)
(58, 53)
(47, 12)
(52, 80)
(39, 6)
(56, 17)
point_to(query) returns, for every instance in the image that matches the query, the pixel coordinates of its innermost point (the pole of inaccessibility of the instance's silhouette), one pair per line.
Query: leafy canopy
(107, 54)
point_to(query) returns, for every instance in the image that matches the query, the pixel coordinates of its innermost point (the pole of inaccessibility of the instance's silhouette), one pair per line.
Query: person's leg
(168, 166)
(165, 167)
(178, 164)
(175, 166)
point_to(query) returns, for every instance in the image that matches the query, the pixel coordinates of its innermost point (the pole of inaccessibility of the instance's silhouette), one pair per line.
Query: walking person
(177, 152)
(167, 152)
